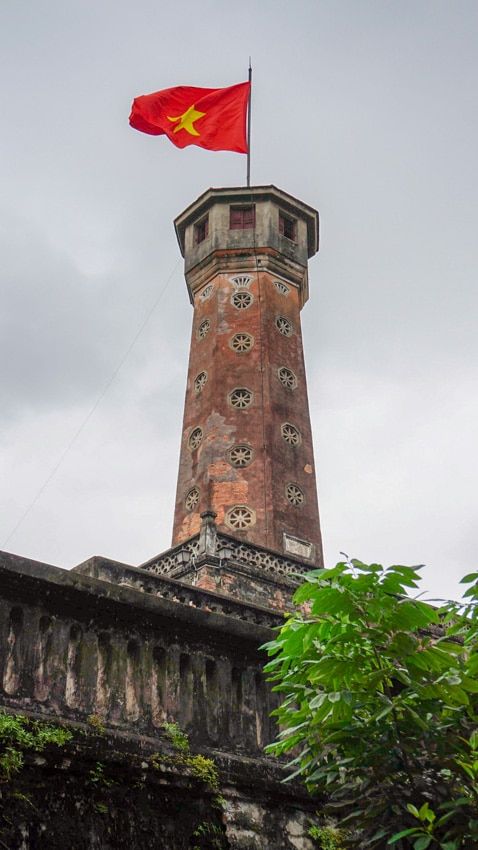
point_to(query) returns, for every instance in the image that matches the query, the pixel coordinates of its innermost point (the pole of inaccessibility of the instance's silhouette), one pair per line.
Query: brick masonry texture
(261, 485)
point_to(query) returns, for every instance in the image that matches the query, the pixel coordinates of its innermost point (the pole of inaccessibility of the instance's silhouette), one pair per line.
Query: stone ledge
(122, 575)
(86, 596)
(241, 771)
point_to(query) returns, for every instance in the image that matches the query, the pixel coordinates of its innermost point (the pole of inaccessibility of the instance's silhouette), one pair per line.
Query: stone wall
(108, 791)
(86, 653)
(84, 647)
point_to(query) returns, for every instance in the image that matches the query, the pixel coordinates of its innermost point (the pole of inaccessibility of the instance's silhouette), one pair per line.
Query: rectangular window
(201, 230)
(288, 227)
(242, 218)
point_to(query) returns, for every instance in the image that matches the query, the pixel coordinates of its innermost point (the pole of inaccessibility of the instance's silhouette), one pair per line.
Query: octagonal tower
(246, 450)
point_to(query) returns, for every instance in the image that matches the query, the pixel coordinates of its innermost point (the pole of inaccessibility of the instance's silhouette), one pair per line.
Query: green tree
(379, 706)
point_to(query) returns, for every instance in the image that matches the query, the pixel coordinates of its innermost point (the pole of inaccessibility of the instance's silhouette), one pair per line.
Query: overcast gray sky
(365, 110)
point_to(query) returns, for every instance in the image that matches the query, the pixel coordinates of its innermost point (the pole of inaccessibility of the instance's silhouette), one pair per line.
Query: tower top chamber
(226, 228)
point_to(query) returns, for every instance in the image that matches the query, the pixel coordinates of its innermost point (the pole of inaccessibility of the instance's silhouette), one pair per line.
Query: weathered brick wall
(246, 448)
(262, 483)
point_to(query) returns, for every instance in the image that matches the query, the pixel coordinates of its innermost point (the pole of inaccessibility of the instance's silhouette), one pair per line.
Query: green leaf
(468, 578)
(376, 703)
(402, 834)
(403, 644)
(384, 713)
(426, 813)
(423, 842)
(335, 696)
(413, 810)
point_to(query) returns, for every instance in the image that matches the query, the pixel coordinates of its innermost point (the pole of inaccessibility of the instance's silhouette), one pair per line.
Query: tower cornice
(234, 261)
(244, 195)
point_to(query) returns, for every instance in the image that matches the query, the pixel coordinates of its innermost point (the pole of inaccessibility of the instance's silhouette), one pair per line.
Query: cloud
(375, 125)
(53, 342)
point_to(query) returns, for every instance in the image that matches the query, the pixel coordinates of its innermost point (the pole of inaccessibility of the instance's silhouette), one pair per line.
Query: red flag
(210, 118)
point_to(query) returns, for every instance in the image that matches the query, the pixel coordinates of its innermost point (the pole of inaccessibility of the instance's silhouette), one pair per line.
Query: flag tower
(246, 464)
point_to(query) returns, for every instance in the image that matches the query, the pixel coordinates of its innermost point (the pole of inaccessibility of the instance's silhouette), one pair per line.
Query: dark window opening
(287, 227)
(201, 230)
(241, 218)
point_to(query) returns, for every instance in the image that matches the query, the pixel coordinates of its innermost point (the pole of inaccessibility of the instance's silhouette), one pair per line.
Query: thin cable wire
(92, 410)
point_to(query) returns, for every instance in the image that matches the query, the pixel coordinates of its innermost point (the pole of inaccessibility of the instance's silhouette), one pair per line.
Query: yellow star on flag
(186, 121)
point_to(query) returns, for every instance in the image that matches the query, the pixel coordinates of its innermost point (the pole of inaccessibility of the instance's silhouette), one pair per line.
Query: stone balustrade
(73, 646)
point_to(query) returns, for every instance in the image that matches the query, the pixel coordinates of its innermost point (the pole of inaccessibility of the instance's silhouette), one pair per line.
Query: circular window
(207, 292)
(195, 439)
(240, 456)
(287, 378)
(242, 299)
(240, 517)
(284, 326)
(204, 329)
(294, 495)
(241, 342)
(240, 397)
(281, 287)
(291, 434)
(192, 499)
(199, 381)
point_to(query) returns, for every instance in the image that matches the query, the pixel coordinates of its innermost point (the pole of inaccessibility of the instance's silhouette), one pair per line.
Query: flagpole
(249, 126)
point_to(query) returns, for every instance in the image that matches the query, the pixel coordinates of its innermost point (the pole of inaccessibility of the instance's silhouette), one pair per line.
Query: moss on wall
(74, 788)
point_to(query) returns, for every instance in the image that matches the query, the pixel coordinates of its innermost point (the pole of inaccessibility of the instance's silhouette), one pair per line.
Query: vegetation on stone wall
(196, 765)
(327, 837)
(78, 784)
(20, 735)
(177, 737)
(380, 707)
(208, 836)
(97, 724)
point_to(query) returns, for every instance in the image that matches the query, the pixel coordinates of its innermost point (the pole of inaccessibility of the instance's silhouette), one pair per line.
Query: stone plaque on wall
(299, 548)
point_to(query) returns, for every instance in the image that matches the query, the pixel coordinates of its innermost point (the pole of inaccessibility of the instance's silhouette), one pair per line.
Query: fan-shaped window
(241, 281)
(207, 292)
(281, 287)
